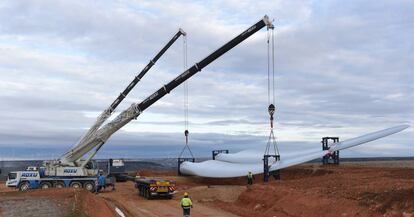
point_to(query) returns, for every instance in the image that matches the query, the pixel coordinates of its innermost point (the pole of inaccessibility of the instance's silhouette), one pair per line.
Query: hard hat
(185, 194)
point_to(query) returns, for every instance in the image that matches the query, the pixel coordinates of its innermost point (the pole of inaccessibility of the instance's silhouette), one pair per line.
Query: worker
(250, 178)
(101, 182)
(110, 182)
(113, 181)
(186, 204)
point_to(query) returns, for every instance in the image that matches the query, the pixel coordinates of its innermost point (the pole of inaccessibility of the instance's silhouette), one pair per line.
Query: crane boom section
(135, 110)
(108, 112)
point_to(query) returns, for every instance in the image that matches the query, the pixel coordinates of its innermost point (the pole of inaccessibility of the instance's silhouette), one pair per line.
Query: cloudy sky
(343, 68)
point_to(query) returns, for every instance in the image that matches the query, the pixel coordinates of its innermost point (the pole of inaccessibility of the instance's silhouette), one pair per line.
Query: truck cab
(22, 179)
(116, 168)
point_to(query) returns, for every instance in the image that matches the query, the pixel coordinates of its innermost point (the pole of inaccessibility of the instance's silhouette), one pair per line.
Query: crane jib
(145, 70)
(107, 112)
(203, 63)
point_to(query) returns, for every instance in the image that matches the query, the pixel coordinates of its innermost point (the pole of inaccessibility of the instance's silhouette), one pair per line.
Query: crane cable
(186, 103)
(271, 94)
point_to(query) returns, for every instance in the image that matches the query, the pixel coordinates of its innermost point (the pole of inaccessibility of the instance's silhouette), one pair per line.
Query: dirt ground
(53, 203)
(344, 190)
(351, 189)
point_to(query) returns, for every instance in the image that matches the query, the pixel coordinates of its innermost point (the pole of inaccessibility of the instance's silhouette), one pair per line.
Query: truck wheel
(45, 185)
(148, 194)
(76, 185)
(24, 186)
(59, 185)
(144, 192)
(89, 186)
(141, 192)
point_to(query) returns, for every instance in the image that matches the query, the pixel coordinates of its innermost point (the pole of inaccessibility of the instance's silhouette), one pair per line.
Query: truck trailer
(153, 187)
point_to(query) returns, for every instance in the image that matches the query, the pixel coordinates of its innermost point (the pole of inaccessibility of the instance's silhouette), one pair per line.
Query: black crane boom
(145, 70)
(203, 63)
(135, 110)
(79, 150)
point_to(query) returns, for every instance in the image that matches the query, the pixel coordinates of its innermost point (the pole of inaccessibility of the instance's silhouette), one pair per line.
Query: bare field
(377, 188)
(385, 164)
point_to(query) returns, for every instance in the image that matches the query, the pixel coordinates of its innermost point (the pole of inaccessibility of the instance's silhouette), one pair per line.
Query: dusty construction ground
(352, 189)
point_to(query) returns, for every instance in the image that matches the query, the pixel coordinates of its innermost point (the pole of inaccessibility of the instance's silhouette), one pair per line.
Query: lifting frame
(216, 152)
(184, 159)
(266, 172)
(334, 155)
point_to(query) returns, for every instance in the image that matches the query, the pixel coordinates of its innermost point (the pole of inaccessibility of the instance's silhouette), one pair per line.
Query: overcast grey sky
(343, 68)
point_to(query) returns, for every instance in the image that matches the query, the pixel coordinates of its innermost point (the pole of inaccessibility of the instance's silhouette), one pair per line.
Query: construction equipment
(155, 187)
(70, 170)
(71, 164)
(116, 169)
(331, 157)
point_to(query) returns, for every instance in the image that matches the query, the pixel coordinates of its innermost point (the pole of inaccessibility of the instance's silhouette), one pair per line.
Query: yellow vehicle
(152, 187)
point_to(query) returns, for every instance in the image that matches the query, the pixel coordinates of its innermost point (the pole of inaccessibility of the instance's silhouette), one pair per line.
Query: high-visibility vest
(186, 202)
(249, 175)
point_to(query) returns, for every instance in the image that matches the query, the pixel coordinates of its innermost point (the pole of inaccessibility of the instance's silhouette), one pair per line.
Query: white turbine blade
(221, 169)
(368, 137)
(256, 156)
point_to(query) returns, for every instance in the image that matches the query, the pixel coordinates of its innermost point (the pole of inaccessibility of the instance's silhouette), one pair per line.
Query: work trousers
(186, 212)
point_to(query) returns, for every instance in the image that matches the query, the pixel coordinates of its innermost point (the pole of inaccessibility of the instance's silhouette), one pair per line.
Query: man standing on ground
(250, 178)
(186, 204)
(101, 182)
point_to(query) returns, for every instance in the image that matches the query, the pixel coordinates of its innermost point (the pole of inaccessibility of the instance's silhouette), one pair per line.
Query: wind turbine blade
(222, 169)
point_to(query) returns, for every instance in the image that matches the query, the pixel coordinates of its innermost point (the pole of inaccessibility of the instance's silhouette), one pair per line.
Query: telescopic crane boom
(103, 134)
(78, 149)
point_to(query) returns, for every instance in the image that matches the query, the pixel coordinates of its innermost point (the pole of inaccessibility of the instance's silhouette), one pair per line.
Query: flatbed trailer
(155, 187)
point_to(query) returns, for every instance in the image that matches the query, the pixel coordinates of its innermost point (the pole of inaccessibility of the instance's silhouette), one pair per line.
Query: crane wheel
(59, 185)
(24, 186)
(45, 185)
(76, 185)
(89, 186)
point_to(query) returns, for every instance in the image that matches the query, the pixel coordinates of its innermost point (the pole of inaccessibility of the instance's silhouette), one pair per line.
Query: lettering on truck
(29, 174)
(70, 170)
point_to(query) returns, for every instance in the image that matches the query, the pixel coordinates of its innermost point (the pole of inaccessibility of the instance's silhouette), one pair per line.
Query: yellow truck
(155, 188)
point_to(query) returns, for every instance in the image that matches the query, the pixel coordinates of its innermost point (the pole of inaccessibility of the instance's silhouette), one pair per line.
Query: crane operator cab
(91, 165)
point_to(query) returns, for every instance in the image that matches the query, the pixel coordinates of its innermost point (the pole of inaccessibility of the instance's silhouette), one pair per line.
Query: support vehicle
(153, 187)
(116, 169)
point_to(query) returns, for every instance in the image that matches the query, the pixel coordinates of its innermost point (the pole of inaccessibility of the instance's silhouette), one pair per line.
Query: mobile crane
(70, 164)
(70, 170)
